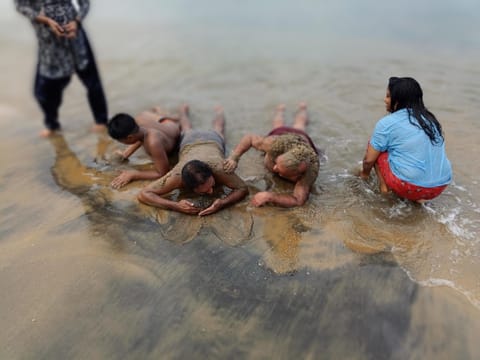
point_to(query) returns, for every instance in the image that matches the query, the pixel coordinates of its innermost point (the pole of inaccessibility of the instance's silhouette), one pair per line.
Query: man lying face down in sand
(289, 153)
(199, 169)
(158, 134)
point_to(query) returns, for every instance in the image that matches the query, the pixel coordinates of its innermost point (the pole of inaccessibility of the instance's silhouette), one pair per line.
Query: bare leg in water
(185, 123)
(301, 117)
(219, 121)
(384, 189)
(46, 133)
(279, 117)
(158, 110)
(99, 128)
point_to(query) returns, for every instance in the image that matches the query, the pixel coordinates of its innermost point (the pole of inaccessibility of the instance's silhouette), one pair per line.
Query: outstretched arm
(153, 195)
(125, 154)
(128, 176)
(160, 162)
(299, 196)
(248, 141)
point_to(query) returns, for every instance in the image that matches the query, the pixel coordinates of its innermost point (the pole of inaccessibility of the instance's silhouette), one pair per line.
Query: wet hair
(406, 93)
(122, 125)
(294, 150)
(195, 173)
(292, 160)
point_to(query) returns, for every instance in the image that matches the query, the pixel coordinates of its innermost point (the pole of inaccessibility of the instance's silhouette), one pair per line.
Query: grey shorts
(193, 136)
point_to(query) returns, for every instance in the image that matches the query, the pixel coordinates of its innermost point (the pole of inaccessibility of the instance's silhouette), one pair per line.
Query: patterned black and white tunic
(57, 57)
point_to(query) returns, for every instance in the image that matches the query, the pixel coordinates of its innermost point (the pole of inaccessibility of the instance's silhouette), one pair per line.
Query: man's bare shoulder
(268, 140)
(261, 143)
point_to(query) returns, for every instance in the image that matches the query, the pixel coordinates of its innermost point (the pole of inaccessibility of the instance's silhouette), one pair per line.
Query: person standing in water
(63, 49)
(407, 147)
(289, 153)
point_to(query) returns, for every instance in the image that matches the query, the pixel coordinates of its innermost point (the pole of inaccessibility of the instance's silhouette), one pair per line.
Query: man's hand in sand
(261, 198)
(217, 205)
(187, 207)
(121, 180)
(229, 165)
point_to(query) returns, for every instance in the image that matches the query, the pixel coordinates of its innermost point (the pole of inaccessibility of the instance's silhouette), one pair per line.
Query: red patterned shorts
(405, 189)
(287, 130)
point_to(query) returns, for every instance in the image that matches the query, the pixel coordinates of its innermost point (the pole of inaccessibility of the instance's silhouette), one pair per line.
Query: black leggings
(48, 92)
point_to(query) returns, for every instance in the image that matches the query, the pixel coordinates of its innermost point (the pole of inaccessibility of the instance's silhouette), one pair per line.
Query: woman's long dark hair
(406, 93)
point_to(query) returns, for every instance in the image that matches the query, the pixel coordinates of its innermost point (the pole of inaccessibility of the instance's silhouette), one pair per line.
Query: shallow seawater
(88, 272)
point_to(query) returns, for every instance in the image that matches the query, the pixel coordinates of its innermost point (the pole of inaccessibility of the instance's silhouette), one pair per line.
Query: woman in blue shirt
(407, 146)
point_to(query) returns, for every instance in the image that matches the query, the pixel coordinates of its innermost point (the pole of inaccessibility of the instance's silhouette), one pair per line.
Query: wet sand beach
(87, 272)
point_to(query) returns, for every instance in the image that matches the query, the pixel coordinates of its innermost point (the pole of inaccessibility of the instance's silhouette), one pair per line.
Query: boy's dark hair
(195, 173)
(122, 125)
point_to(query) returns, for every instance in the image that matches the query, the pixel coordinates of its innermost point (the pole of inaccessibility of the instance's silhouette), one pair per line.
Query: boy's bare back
(159, 135)
(161, 130)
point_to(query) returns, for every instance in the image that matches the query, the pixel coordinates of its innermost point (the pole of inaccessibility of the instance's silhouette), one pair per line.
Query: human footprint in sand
(199, 169)
(289, 153)
(157, 133)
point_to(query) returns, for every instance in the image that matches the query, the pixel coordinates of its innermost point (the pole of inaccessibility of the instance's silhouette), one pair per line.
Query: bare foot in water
(46, 133)
(164, 115)
(219, 120)
(99, 128)
(301, 118)
(384, 190)
(157, 110)
(279, 117)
